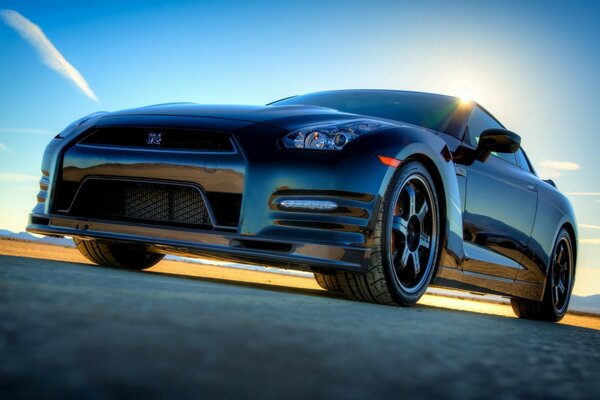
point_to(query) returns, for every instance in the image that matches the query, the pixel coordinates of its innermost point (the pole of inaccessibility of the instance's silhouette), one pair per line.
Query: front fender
(354, 178)
(420, 145)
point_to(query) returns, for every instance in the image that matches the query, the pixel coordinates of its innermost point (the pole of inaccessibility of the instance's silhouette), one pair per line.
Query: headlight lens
(333, 136)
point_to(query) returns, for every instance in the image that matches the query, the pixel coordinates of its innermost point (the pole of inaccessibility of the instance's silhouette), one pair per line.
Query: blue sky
(534, 65)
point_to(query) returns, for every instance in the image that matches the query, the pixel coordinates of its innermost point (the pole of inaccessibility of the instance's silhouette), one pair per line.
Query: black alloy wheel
(406, 241)
(559, 285)
(413, 235)
(561, 277)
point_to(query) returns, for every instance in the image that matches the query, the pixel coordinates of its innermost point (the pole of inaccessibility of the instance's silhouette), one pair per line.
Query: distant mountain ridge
(587, 304)
(28, 237)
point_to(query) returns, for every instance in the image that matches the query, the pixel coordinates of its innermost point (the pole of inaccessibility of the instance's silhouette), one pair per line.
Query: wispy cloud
(50, 55)
(588, 226)
(587, 194)
(10, 177)
(560, 165)
(590, 241)
(28, 131)
(554, 169)
(3, 147)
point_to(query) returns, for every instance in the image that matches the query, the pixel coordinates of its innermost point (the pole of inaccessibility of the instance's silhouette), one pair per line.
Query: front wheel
(328, 282)
(559, 284)
(406, 246)
(117, 254)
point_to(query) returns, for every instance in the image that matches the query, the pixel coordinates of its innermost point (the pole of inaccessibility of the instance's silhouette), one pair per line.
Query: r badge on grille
(154, 138)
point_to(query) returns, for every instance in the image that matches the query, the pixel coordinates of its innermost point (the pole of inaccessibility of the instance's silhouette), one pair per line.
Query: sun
(465, 96)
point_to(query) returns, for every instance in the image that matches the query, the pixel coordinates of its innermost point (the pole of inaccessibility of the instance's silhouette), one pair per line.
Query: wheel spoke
(556, 295)
(560, 256)
(412, 200)
(400, 224)
(422, 212)
(416, 262)
(563, 268)
(405, 255)
(561, 286)
(424, 240)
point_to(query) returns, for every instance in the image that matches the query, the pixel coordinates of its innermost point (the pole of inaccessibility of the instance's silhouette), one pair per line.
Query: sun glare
(465, 96)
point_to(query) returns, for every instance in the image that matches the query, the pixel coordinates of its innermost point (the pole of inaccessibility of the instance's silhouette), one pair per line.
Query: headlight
(333, 136)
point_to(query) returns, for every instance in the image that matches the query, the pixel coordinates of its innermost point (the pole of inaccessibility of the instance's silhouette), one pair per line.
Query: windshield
(422, 109)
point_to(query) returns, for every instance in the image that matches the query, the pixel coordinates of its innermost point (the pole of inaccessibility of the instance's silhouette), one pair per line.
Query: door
(500, 207)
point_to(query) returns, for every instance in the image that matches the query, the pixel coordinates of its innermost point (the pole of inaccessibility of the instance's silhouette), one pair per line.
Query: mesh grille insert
(154, 203)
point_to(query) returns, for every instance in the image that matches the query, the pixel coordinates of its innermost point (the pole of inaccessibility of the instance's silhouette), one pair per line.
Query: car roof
(380, 91)
(473, 103)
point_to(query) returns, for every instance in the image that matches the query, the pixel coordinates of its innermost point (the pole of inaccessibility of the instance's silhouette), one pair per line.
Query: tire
(559, 285)
(116, 254)
(328, 282)
(405, 252)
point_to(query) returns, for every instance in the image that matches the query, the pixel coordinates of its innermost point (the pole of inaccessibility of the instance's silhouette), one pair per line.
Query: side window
(523, 162)
(479, 122)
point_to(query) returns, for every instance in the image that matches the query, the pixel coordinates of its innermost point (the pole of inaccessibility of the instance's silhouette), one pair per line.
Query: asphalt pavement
(71, 330)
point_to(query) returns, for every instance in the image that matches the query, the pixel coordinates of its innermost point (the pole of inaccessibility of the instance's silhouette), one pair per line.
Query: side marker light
(389, 161)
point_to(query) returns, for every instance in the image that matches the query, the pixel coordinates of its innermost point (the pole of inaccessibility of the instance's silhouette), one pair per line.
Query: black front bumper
(242, 187)
(208, 244)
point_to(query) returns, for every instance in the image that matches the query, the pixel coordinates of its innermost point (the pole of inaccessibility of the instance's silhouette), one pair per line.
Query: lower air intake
(154, 203)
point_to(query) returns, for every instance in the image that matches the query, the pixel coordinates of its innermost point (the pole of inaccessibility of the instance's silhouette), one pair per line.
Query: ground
(72, 330)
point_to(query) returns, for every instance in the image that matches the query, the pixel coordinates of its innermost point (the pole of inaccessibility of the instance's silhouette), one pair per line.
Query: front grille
(153, 203)
(159, 139)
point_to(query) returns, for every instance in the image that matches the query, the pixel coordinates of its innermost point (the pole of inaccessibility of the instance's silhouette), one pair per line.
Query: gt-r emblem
(154, 138)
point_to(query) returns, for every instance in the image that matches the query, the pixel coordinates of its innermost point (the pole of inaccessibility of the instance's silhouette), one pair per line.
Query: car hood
(284, 117)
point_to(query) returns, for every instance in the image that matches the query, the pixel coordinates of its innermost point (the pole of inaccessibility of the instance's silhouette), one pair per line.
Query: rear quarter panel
(553, 212)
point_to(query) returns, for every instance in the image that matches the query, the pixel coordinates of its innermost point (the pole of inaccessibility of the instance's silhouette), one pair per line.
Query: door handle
(531, 187)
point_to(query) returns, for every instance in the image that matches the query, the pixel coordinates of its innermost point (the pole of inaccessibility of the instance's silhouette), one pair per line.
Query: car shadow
(286, 289)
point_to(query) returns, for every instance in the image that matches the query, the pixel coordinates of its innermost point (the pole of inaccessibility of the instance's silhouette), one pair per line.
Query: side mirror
(497, 140)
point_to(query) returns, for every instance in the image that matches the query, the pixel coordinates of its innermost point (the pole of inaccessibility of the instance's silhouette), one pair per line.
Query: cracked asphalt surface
(72, 330)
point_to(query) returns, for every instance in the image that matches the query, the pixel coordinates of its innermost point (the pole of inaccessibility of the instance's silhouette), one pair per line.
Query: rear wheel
(406, 246)
(117, 254)
(328, 282)
(559, 284)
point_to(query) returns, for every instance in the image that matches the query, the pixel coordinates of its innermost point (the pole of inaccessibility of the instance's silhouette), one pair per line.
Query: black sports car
(379, 193)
